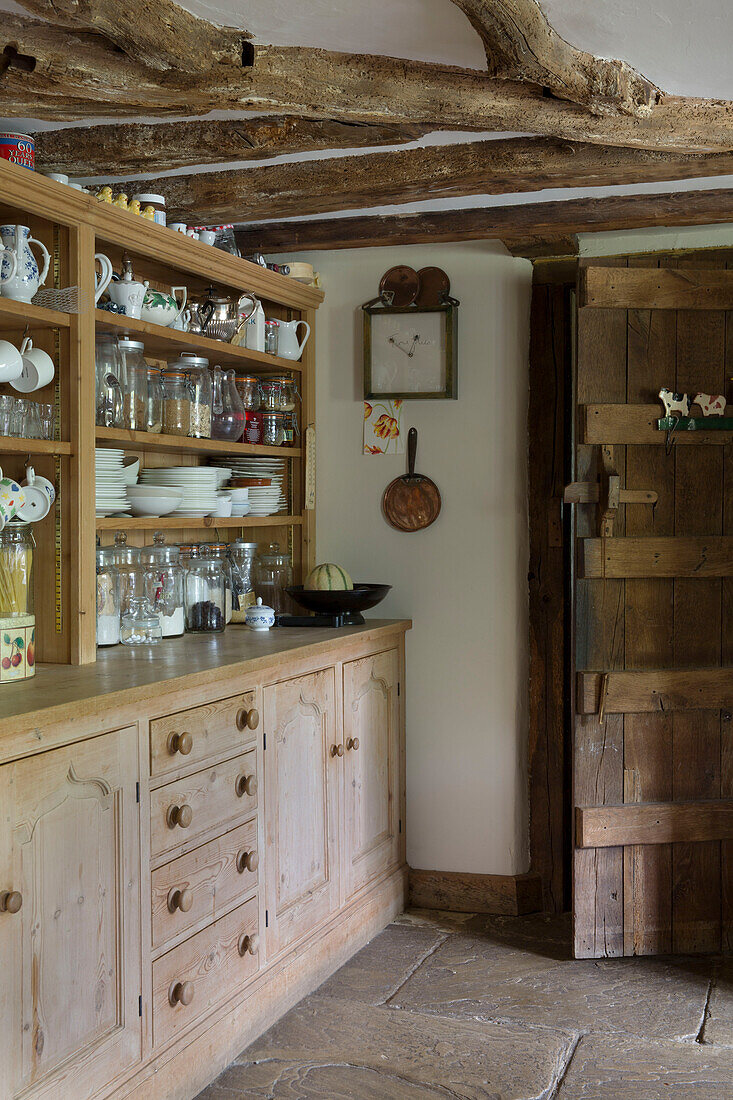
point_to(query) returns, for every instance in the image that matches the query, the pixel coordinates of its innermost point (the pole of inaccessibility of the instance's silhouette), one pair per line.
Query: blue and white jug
(23, 282)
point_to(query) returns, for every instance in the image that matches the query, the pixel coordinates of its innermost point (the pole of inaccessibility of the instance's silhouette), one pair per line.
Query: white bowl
(240, 509)
(152, 506)
(130, 471)
(223, 508)
(157, 491)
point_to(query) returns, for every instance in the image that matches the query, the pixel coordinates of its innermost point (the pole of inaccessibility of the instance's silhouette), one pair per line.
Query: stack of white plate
(198, 483)
(263, 500)
(110, 489)
(274, 468)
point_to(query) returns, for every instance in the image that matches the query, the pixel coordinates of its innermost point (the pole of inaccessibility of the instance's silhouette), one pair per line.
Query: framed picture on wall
(410, 352)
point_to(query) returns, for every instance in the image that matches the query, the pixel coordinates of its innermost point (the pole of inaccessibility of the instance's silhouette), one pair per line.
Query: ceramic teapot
(126, 292)
(162, 309)
(20, 277)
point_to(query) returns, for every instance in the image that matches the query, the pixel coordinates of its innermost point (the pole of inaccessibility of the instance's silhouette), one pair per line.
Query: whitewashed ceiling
(687, 49)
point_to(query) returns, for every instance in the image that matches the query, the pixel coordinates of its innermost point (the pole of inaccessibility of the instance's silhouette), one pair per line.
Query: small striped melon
(328, 577)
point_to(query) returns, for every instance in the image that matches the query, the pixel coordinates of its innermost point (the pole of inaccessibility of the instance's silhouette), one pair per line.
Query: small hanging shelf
(695, 423)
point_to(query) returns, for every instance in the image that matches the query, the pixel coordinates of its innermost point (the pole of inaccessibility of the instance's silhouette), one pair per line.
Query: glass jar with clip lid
(164, 577)
(17, 616)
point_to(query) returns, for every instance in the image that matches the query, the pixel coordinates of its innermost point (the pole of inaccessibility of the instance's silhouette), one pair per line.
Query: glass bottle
(140, 624)
(176, 403)
(242, 556)
(227, 411)
(220, 550)
(155, 400)
(134, 382)
(199, 385)
(273, 433)
(273, 574)
(126, 560)
(290, 428)
(17, 617)
(271, 334)
(205, 596)
(108, 367)
(108, 598)
(164, 577)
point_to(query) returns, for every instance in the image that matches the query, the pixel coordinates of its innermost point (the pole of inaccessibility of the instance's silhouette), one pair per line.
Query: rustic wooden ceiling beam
(124, 148)
(157, 33)
(516, 223)
(521, 45)
(410, 175)
(79, 75)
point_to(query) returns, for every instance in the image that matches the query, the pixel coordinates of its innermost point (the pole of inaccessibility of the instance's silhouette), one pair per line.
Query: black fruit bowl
(340, 608)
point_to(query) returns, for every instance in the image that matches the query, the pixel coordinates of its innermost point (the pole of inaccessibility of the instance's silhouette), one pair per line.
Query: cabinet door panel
(371, 760)
(302, 805)
(69, 843)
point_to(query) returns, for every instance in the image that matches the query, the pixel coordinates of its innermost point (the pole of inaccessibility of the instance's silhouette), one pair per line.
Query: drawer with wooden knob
(192, 736)
(186, 809)
(204, 970)
(202, 884)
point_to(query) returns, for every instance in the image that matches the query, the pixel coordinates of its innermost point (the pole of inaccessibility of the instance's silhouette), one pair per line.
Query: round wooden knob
(179, 815)
(180, 993)
(180, 742)
(247, 861)
(353, 743)
(248, 719)
(180, 898)
(10, 901)
(248, 945)
(337, 750)
(246, 784)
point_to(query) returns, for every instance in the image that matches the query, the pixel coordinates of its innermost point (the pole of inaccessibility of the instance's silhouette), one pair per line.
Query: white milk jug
(21, 284)
(287, 340)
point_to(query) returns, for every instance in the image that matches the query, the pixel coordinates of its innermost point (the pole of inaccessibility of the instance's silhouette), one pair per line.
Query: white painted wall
(463, 581)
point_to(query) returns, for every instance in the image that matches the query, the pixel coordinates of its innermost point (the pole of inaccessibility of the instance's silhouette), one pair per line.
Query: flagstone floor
(464, 1007)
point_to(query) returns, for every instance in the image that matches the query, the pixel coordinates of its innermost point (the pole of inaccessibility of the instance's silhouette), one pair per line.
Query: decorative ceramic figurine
(259, 616)
(25, 281)
(711, 404)
(134, 206)
(149, 213)
(162, 309)
(104, 194)
(126, 292)
(675, 404)
(121, 200)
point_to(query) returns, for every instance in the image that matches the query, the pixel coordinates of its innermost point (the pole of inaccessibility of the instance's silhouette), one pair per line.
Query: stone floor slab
(475, 978)
(625, 1068)
(374, 1052)
(719, 1023)
(380, 968)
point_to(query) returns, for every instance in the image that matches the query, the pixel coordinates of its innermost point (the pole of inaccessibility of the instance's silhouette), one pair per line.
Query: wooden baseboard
(459, 892)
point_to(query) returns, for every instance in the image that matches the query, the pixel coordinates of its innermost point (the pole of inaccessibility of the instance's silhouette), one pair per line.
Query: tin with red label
(18, 149)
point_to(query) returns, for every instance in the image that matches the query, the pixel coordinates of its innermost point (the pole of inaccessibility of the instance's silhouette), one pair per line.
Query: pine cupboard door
(302, 776)
(71, 961)
(371, 768)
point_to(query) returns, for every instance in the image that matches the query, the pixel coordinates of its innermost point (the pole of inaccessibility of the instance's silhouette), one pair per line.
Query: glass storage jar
(164, 577)
(176, 403)
(155, 400)
(273, 574)
(220, 550)
(140, 624)
(126, 560)
(199, 386)
(108, 368)
(205, 596)
(134, 382)
(17, 617)
(287, 394)
(273, 429)
(108, 598)
(227, 411)
(242, 556)
(248, 388)
(290, 429)
(270, 394)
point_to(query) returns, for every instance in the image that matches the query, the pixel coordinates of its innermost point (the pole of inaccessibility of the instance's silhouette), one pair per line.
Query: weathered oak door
(371, 768)
(71, 964)
(303, 762)
(653, 614)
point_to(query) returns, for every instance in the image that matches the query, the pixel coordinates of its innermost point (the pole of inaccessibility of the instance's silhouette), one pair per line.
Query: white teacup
(39, 495)
(11, 362)
(38, 369)
(179, 227)
(208, 236)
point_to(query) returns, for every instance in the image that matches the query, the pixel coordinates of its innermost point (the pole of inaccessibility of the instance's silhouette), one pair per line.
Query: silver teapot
(218, 316)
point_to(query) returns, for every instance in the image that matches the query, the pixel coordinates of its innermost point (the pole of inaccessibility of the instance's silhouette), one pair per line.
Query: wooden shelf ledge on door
(151, 441)
(653, 823)
(165, 343)
(637, 424)
(12, 445)
(673, 556)
(16, 315)
(191, 523)
(655, 691)
(655, 288)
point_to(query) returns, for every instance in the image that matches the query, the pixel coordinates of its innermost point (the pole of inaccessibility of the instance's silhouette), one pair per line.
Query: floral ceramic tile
(383, 428)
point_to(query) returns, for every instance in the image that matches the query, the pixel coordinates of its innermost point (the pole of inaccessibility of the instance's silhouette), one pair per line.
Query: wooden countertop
(58, 692)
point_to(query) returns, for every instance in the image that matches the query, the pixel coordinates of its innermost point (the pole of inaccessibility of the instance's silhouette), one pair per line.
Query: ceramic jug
(126, 292)
(162, 309)
(101, 282)
(21, 283)
(287, 343)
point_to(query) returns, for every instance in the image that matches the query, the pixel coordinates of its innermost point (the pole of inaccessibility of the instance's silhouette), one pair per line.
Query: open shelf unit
(74, 226)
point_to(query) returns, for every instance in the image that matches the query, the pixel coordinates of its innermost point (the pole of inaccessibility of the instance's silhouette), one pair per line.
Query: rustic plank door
(653, 644)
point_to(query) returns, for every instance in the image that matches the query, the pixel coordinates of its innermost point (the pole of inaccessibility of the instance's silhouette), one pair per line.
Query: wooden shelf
(151, 441)
(639, 424)
(16, 315)
(164, 343)
(205, 523)
(14, 446)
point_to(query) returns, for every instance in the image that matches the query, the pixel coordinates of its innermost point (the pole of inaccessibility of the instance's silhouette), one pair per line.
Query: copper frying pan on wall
(411, 502)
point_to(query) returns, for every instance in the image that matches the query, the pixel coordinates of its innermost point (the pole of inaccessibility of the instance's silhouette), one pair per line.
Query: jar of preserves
(205, 596)
(134, 383)
(248, 388)
(176, 403)
(108, 598)
(17, 615)
(273, 429)
(290, 429)
(242, 557)
(154, 420)
(253, 427)
(220, 551)
(164, 577)
(273, 574)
